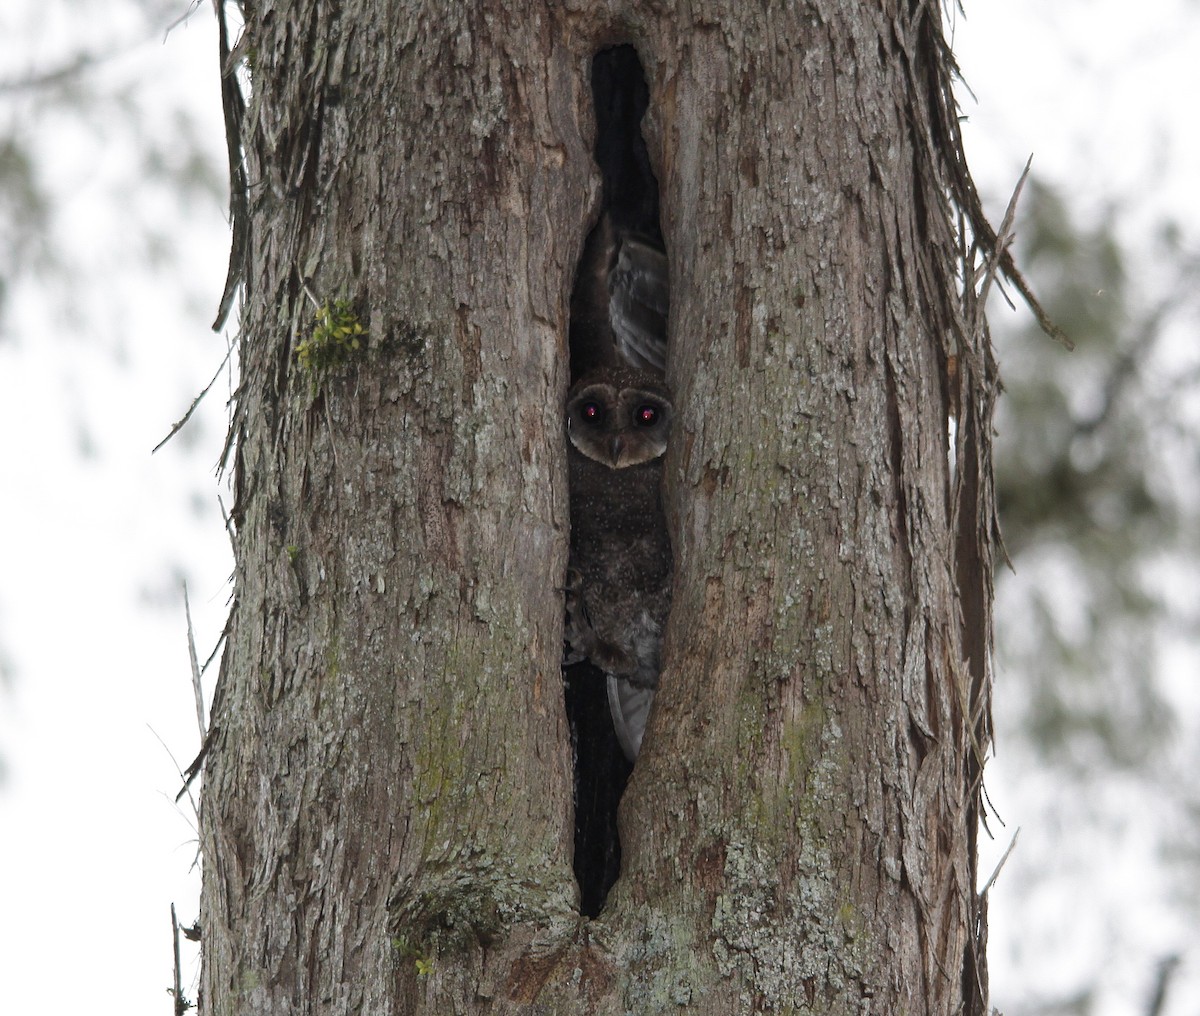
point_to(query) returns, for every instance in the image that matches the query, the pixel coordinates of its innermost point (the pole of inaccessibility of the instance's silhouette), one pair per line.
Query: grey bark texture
(386, 819)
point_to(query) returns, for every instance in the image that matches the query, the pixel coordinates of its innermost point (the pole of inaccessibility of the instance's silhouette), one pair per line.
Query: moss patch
(337, 336)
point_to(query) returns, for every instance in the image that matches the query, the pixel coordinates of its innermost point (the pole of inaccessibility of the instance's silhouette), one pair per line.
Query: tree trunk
(387, 818)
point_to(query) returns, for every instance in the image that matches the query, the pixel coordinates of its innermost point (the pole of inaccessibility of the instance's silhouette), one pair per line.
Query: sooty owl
(619, 582)
(619, 418)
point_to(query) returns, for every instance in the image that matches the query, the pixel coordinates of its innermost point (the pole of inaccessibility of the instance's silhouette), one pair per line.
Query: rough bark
(387, 817)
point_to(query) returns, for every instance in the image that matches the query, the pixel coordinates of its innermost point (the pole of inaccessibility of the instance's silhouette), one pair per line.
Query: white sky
(92, 848)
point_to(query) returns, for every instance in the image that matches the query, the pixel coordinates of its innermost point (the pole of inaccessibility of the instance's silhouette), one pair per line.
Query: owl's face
(621, 421)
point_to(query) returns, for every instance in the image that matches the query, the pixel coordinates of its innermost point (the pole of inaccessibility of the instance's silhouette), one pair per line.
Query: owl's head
(619, 417)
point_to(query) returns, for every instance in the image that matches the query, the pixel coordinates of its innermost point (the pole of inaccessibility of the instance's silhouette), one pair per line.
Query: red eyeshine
(647, 415)
(591, 411)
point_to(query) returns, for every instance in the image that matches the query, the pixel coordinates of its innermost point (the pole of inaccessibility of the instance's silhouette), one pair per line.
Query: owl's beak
(617, 446)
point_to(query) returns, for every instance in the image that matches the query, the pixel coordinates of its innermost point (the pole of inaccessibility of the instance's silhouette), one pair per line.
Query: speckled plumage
(619, 587)
(619, 580)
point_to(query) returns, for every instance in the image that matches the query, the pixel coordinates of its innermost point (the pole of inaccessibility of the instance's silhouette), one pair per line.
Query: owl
(619, 578)
(619, 415)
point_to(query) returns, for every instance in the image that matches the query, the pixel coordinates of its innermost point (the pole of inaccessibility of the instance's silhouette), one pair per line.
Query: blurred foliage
(1096, 459)
(1092, 498)
(1096, 704)
(109, 172)
(78, 112)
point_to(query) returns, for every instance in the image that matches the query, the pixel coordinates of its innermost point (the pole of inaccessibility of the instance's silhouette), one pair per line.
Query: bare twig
(1004, 238)
(197, 765)
(182, 775)
(185, 16)
(206, 736)
(182, 1005)
(35, 80)
(179, 424)
(1162, 984)
(996, 872)
(197, 690)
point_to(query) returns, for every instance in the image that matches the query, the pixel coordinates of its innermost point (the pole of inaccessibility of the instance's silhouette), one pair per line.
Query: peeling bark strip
(387, 815)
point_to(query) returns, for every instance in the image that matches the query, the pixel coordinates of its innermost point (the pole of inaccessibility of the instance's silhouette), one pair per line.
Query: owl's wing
(638, 297)
(619, 303)
(630, 707)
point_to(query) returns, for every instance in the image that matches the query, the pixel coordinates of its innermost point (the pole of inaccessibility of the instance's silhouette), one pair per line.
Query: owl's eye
(593, 412)
(646, 416)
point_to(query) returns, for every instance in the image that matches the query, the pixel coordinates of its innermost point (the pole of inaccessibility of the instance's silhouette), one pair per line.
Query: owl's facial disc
(616, 426)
